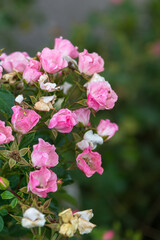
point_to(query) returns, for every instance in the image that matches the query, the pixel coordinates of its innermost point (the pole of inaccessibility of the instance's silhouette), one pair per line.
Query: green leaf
(1, 223)
(27, 140)
(12, 162)
(3, 212)
(83, 102)
(6, 101)
(14, 203)
(7, 195)
(23, 151)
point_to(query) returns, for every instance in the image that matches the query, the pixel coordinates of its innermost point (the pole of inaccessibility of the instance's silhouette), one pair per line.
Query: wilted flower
(5, 133)
(42, 181)
(90, 63)
(45, 103)
(33, 218)
(77, 221)
(84, 226)
(89, 162)
(44, 154)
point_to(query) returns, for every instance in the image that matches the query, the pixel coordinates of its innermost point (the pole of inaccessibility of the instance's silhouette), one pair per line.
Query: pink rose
(24, 120)
(15, 60)
(42, 181)
(44, 154)
(66, 47)
(89, 162)
(100, 95)
(107, 129)
(5, 133)
(52, 60)
(1, 70)
(83, 116)
(90, 63)
(109, 235)
(32, 71)
(63, 121)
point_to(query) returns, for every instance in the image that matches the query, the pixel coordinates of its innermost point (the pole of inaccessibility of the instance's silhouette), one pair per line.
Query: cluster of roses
(38, 72)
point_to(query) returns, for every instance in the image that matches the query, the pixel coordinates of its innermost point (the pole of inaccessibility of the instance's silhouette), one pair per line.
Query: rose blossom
(52, 60)
(24, 120)
(42, 181)
(5, 133)
(89, 162)
(109, 235)
(15, 60)
(44, 154)
(66, 47)
(31, 73)
(100, 95)
(90, 139)
(1, 70)
(83, 116)
(106, 128)
(90, 63)
(63, 121)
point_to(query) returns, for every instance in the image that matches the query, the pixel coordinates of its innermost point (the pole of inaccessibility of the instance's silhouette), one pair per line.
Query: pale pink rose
(52, 60)
(83, 116)
(42, 181)
(14, 61)
(44, 154)
(107, 129)
(32, 71)
(64, 121)
(66, 47)
(1, 70)
(109, 235)
(90, 63)
(89, 162)
(100, 95)
(5, 133)
(24, 120)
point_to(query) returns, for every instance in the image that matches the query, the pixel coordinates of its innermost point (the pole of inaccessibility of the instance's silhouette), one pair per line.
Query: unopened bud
(4, 183)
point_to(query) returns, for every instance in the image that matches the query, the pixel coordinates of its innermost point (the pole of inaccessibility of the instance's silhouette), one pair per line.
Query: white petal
(19, 99)
(43, 78)
(33, 214)
(87, 214)
(83, 144)
(84, 226)
(47, 99)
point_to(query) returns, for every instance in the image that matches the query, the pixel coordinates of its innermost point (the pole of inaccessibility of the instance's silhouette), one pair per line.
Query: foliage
(127, 195)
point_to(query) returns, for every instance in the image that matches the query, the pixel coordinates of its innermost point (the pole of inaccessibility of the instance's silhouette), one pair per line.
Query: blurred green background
(126, 198)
